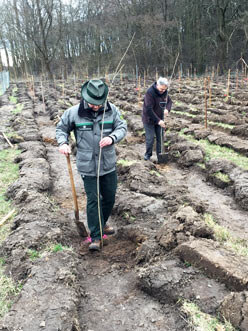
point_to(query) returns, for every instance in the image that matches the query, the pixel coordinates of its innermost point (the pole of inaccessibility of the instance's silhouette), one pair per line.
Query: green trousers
(108, 186)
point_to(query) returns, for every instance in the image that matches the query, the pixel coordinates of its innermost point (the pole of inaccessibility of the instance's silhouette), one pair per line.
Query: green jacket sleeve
(65, 126)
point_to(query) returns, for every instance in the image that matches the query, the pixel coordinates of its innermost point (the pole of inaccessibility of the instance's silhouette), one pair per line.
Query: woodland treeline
(58, 37)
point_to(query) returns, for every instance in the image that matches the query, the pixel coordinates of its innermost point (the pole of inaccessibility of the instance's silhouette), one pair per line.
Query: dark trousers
(152, 130)
(108, 185)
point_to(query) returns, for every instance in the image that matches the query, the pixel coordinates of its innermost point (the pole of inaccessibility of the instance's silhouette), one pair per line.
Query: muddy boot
(95, 245)
(108, 230)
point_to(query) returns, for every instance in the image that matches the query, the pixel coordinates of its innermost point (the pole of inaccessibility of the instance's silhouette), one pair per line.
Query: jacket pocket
(84, 160)
(109, 158)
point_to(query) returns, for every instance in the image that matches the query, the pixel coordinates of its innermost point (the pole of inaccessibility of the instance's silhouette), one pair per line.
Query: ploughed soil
(163, 252)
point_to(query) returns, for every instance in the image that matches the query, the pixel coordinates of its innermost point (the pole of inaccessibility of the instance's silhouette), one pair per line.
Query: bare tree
(91, 35)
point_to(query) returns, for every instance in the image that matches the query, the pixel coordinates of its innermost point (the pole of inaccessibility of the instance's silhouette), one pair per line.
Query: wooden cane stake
(205, 90)
(139, 88)
(179, 80)
(228, 84)
(237, 80)
(213, 73)
(5, 219)
(6, 138)
(42, 93)
(33, 87)
(210, 90)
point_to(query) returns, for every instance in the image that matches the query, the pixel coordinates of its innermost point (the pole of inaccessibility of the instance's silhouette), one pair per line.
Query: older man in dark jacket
(97, 125)
(157, 104)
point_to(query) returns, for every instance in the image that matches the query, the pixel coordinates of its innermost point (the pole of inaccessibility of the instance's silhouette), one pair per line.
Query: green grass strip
(215, 151)
(183, 113)
(8, 290)
(202, 321)
(222, 235)
(9, 172)
(222, 125)
(126, 163)
(13, 99)
(223, 177)
(18, 109)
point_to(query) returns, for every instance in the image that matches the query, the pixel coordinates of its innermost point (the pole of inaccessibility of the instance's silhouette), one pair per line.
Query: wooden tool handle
(162, 140)
(73, 187)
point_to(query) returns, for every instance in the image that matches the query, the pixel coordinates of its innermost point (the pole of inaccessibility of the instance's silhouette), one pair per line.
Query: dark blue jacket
(154, 105)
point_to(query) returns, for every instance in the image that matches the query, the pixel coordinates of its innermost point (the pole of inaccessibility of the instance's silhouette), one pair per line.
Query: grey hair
(163, 81)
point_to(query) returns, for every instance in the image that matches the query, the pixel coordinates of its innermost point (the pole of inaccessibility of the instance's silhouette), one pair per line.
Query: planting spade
(162, 157)
(80, 225)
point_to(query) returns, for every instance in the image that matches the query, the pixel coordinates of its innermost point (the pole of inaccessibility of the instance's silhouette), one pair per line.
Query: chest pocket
(87, 126)
(107, 127)
(81, 129)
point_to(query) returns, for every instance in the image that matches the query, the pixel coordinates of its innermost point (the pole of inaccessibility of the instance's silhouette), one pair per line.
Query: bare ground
(145, 271)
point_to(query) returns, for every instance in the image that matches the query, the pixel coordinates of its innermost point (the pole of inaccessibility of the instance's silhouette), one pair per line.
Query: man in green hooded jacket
(87, 122)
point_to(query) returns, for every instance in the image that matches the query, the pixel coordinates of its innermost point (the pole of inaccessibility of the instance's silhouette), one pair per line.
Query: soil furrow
(108, 279)
(162, 254)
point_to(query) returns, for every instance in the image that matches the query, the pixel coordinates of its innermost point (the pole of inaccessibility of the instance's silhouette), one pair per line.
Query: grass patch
(215, 151)
(14, 90)
(18, 109)
(54, 205)
(125, 163)
(9, 172)
(57, 248)
(54, 248)
(154, 172)
(182, 113)
(178, 103)
(195, 110)
(222, 125)
(202, 321)
(222, 235)
(8, 169)
(187, 264)
(13, 99)
(33, 254)
(8, 290)
(223, 177)
(201, 165)
(129, 217)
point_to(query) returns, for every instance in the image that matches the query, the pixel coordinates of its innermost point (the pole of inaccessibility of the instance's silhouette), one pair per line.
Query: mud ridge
(163, 252)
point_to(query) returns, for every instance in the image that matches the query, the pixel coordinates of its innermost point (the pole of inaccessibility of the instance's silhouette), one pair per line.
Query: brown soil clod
(215, 262)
